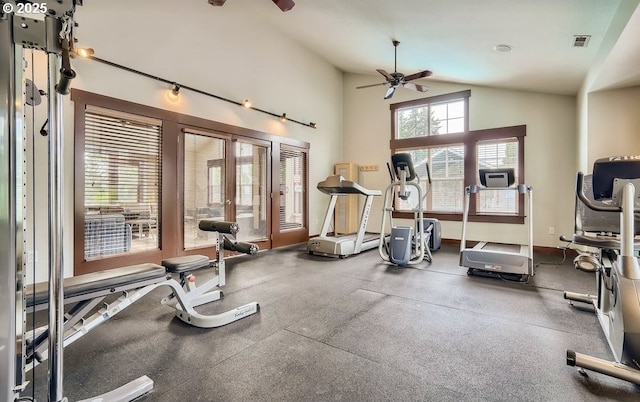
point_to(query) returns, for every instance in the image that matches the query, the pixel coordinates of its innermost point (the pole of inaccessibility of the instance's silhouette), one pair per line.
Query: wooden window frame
(169, 222)
(469, 139)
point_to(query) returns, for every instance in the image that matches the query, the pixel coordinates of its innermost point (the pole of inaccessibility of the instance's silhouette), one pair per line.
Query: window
(121, 183)
(498, 154)
(444, 117)
(292, 188)
(434, 131)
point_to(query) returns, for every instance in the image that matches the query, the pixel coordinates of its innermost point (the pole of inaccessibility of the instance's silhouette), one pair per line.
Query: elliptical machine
(404, 247)
(617, 304)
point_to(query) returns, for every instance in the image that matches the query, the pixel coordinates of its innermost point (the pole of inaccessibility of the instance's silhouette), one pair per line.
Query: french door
(224, 178)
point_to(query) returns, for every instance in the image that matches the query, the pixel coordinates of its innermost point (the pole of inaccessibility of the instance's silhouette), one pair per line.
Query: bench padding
(96, 281)
(211, 225)
(186, 263)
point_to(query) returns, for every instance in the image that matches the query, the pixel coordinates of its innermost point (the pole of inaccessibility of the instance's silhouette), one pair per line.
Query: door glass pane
(251, 191)
(204, 187)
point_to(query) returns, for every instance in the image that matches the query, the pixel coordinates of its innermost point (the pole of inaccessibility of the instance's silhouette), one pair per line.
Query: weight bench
(87, 292)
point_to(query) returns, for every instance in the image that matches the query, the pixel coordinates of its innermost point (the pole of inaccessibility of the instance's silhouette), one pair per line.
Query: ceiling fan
(284, 5)
(395, 79)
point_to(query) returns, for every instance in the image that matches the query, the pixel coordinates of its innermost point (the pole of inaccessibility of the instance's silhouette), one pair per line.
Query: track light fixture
(84, 52)
(174, 93)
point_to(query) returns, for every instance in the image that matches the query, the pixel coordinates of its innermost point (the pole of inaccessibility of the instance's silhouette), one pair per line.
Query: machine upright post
(530, 219)
(627, 262)
(627, 232)
(56, 263)
(11, 216)
(465, 217)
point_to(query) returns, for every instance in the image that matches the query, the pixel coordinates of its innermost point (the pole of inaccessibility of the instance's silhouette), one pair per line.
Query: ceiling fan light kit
(396, 79)
(284, 5)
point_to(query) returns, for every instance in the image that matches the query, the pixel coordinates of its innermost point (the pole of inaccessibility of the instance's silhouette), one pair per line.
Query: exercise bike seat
(185, 263)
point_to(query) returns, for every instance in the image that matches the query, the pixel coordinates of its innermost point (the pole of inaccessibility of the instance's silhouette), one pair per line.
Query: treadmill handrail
(336, 184)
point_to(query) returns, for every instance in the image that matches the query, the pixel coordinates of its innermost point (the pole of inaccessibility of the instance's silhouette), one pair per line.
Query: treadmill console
(605, 170)
(497, 178)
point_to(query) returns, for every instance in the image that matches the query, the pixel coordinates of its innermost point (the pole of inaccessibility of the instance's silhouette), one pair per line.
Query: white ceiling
(455, 38)
(452, 38)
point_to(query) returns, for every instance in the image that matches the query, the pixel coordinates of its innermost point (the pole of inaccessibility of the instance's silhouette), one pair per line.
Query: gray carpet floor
(355, 330)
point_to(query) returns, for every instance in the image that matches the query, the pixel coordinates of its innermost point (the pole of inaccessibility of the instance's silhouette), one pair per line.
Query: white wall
(550, 149)
(614, 124)
(211, 52)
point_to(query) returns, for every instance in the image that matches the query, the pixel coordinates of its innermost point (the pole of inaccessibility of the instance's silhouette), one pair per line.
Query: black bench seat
(186, 263)
(86, 286)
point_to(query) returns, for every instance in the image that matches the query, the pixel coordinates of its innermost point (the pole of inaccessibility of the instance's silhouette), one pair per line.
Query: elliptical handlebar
(587, 201)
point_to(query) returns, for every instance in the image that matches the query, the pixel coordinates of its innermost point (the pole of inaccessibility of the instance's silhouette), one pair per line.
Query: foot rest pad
(185, 263)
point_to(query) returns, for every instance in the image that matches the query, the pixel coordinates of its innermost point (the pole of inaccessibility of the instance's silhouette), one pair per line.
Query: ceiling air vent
(581, 40)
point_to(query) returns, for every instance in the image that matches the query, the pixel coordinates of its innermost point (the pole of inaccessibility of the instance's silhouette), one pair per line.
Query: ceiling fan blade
(415, 87)
(284, 5)
(217, 2)
(372, 85)
(390, 92)
(386, 74)
(415, 76)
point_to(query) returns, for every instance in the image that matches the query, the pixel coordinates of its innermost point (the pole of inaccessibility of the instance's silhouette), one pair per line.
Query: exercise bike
(617, 304)
(404, 247)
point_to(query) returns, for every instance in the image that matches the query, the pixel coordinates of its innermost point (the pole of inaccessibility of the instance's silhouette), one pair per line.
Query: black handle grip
(240, 246)
(65, 81)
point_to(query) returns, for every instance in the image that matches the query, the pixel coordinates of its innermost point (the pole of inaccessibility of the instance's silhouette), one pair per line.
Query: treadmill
(344, 246)
(497, 259)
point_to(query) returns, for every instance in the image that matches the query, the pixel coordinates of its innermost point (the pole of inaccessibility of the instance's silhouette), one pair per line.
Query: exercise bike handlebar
(588, 202)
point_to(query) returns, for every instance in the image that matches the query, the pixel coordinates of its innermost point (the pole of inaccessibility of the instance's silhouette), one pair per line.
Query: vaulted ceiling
(454, 38)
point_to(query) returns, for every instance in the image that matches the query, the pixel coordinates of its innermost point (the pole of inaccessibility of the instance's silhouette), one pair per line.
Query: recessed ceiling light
(503, 48)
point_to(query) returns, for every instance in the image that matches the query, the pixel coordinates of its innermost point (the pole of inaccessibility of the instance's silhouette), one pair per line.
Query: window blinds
(293, 182)
(122, 181)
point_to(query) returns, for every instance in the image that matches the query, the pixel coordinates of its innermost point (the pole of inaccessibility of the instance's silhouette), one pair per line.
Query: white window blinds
(293, 178)
(498, 154)
(122, 182)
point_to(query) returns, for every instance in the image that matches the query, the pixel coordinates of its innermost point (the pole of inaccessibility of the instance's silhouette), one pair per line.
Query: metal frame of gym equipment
(54, 35)
(492, 259)
(416, 245)
(88, 292)
(617, 304)
(343, 246)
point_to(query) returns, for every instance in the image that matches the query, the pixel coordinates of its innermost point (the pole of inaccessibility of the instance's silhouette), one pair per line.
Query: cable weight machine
(53, 34)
